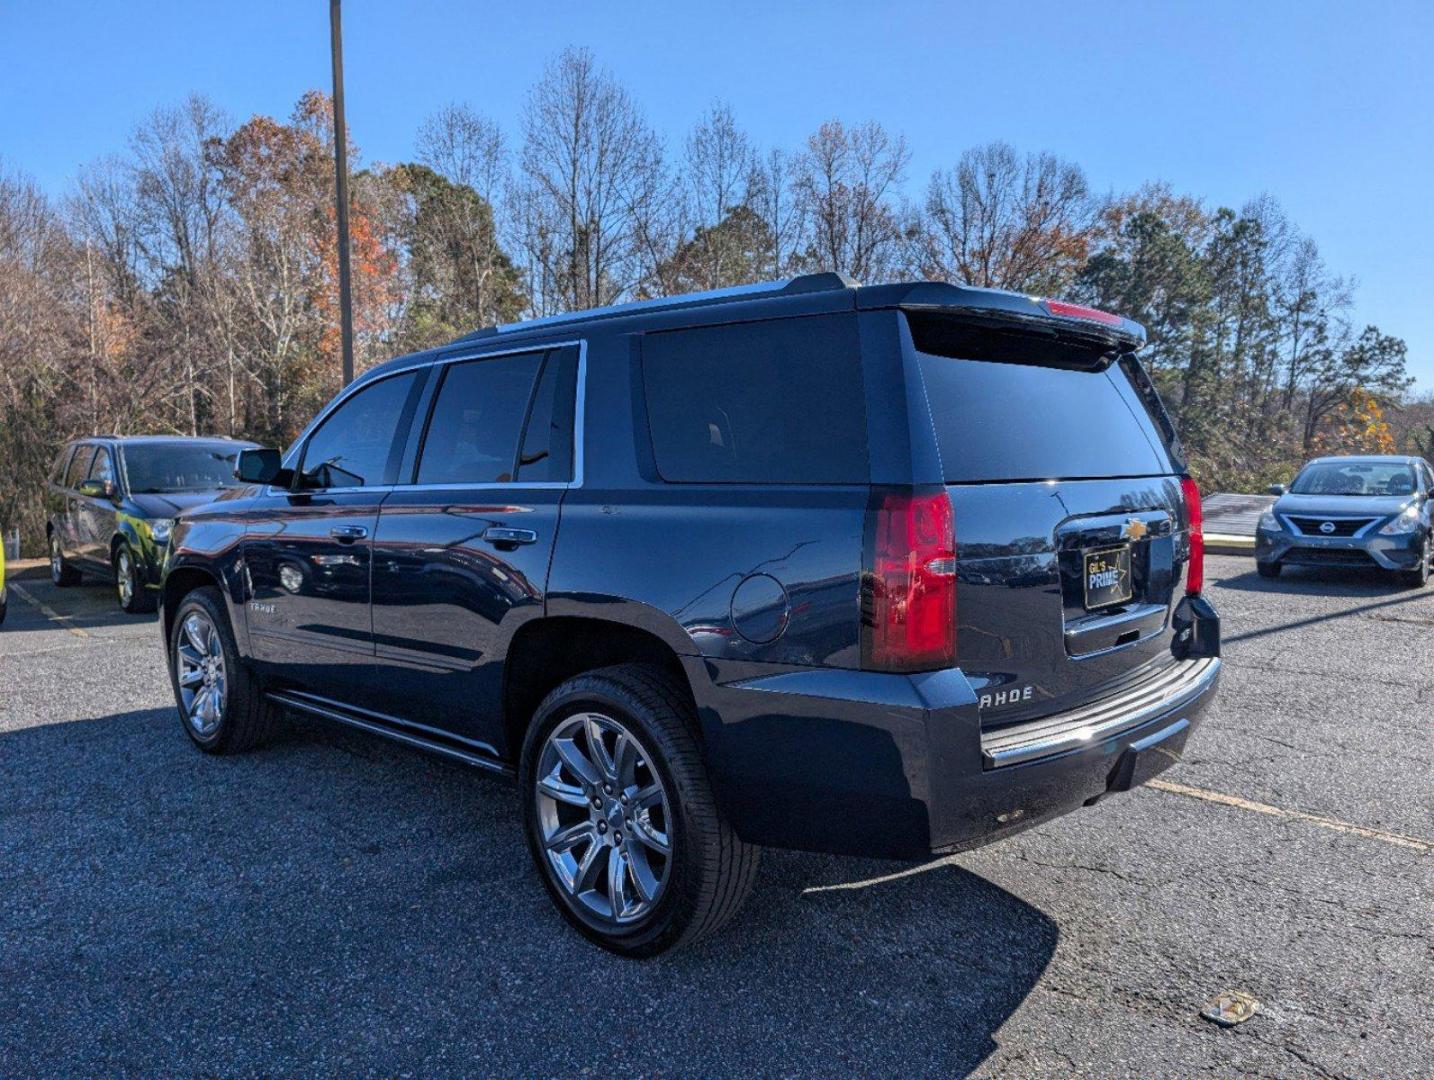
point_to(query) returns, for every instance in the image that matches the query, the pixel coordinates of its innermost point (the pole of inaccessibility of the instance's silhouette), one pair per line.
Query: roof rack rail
(804, 283)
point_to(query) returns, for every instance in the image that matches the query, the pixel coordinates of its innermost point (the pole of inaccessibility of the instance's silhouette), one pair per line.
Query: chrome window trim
(377, 489)
(460, 356)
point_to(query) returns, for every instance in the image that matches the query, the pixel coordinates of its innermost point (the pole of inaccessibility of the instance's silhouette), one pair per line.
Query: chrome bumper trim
(1182, 682)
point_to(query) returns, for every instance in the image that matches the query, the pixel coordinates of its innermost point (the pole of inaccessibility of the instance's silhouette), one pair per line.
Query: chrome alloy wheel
(604, 818)
(124, 576)
(199, 668)
(57, 561)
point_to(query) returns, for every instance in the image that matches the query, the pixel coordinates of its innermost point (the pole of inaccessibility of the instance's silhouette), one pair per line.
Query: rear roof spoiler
(1009, 311)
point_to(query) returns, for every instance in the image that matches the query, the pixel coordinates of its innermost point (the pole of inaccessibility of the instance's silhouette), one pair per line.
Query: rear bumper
(1383, 552)
(859, 763)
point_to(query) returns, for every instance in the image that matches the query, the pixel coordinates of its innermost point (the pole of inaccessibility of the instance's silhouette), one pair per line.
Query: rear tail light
(1195, 577)
(909, 587)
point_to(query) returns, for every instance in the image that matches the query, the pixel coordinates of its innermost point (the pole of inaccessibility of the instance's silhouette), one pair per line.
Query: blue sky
(1329, 107)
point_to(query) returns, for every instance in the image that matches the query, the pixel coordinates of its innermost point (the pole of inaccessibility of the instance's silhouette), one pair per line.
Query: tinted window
(477, 419)
(79, 466)
(103, 467)
(57, 471)
(548, 439)
(352, 447)
(155, 469)
(777, 402)
(1355, 478)
(1010, 421)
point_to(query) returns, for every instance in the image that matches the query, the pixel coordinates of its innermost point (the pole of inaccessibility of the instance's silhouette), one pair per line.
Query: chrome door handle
(498, 534)
(348, 533)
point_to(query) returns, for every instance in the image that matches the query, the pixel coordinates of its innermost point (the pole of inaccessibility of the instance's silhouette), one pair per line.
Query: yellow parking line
(47, 611)
(1398, 839)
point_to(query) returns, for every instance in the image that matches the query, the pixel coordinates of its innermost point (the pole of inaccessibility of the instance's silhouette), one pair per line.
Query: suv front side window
(103, 468)
(355, 444)
(79, 466)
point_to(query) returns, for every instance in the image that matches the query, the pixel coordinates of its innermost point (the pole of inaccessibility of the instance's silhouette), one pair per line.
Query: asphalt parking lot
(335, 904)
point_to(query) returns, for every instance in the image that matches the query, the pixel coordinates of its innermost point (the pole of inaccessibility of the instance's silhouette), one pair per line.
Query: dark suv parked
(886, 571)
(112, 501)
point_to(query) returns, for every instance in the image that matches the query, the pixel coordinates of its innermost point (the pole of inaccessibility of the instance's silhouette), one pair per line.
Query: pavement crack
(1319, 1069)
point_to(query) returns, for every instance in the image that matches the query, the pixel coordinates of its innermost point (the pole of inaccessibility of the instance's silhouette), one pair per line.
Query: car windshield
(1355, 478)
(174, 468)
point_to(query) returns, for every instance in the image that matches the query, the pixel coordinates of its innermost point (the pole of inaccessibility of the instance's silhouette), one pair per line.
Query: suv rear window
(775, 402)
(1014, 421)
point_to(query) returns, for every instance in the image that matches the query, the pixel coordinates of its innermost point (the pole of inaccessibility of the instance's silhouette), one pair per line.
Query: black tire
(62, 574)
(1268, 569)
(1419, 576)
(712, 870)
(247, 716)
(137, 599)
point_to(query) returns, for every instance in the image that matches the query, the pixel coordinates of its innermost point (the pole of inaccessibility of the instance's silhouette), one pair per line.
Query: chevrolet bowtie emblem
(1134, 529)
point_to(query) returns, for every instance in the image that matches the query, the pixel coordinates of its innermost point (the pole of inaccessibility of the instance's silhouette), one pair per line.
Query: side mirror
(262, 466)
(1277, 489)
(98, 489)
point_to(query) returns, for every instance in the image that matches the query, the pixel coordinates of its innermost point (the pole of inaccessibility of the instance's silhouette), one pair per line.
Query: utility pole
(341, 172)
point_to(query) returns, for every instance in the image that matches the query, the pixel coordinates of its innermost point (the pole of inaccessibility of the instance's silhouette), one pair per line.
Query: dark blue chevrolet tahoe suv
(886, 571)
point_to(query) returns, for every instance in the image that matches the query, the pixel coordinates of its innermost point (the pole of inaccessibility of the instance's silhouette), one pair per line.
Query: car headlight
(1269, 521)
(160, 529)
(1406, 522)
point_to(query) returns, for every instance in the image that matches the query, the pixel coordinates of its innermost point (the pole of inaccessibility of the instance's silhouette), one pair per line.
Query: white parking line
(47, 611)
(1398, 839)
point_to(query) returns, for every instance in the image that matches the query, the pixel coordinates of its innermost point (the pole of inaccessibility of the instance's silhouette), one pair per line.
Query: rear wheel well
(115, 542)
(179, 584)
(548, 652)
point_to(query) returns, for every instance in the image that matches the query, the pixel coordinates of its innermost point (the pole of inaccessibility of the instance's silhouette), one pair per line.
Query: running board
(435, 746)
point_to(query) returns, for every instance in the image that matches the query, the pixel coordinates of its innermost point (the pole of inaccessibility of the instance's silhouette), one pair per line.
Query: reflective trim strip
(1182, 682)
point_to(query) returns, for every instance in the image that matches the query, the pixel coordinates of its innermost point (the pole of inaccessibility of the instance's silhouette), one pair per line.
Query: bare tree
(180, 205)
(458, 265)
(694, 231)
(585, 185)
(466, 147)
(41, 349)
(848, 181)
(776, 201)
(1005, 221)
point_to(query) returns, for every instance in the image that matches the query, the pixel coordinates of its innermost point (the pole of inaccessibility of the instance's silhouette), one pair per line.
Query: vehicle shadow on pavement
(1324, 583)
(1317, 580)
(89, 605)
(337, 904)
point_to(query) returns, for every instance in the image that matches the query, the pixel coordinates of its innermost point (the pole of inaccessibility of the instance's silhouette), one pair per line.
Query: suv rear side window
(477, 421)
(776, 402)
(353, 445)
(1008, 421)
(57, 470)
